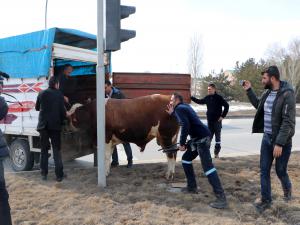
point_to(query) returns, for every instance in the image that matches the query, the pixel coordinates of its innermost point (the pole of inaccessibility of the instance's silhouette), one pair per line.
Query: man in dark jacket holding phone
(275, 118)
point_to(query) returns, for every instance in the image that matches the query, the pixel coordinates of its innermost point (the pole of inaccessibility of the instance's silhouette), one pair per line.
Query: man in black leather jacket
(275, 118)
(5, 217)
(50, 103)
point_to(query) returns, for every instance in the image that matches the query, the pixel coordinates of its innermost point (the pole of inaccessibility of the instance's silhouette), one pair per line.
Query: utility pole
(100, 79)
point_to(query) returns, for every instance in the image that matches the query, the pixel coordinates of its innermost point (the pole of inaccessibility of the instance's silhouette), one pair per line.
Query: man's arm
(63, 112)
(252, 97)
(3, 108)
(185, 125)
(121, 95)
(226, 107)
(288, 119)
(250, 93)
(199, 101)
(38, 102)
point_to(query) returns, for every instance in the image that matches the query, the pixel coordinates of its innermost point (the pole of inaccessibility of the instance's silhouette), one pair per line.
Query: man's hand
(247, 85)
(182, 148)
(277, 152)
(220, 119)
(170, 109)
(66, 99)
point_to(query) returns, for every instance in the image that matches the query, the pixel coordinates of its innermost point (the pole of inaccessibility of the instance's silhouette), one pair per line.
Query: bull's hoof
(170, 176)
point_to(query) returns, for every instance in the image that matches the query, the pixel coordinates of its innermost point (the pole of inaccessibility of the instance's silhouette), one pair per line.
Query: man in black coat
(50, 103)
(215, 114)
(5, 217)
(112, 92)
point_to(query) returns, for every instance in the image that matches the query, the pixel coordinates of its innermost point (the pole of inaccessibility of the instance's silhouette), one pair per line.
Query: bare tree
(195, 62)
(288, 60)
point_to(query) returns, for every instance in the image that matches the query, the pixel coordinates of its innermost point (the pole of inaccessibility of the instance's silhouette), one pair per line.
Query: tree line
(227, 82)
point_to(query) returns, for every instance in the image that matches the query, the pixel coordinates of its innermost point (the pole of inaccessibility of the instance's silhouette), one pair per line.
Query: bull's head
(74, 117)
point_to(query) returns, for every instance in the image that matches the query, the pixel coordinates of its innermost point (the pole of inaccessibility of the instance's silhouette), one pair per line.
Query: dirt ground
(141, 195)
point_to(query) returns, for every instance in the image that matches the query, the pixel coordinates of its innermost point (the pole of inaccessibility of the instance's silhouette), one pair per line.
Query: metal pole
(100, 96)
(46, 12)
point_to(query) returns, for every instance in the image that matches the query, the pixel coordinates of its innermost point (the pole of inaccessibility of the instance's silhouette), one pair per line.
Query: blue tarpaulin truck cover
(29, 55)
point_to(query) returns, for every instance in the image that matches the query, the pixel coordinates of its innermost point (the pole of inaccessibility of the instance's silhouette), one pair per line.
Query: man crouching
(199, 145)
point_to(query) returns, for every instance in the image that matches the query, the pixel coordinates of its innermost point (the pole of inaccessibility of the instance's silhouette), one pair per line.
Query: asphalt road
(237, 140)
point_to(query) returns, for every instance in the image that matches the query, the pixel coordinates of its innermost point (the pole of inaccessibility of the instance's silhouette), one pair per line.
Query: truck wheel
(21, 157)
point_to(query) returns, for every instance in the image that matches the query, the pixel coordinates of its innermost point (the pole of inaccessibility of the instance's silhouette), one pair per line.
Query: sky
(231, 30)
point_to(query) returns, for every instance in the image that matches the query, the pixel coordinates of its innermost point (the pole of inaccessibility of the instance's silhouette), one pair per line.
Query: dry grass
(140, 196)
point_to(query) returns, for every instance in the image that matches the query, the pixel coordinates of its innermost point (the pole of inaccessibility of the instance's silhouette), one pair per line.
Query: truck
(30, 59)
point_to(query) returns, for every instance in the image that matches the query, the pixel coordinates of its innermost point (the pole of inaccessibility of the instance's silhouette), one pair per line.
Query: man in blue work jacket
(198, 145)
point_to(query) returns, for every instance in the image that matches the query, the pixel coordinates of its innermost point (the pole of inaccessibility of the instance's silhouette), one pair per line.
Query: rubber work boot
(287, 195)
(189, 190)
(220, 202)
(114, 164)
(262, 205)
(129, 164)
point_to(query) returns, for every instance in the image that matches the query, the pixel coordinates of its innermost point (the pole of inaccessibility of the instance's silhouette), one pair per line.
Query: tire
(20, 156)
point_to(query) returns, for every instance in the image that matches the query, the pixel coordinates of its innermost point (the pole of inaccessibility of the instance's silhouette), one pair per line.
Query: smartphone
(242, 82)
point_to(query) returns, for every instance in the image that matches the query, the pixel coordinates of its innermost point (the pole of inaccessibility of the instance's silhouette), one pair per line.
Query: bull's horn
(74, 107)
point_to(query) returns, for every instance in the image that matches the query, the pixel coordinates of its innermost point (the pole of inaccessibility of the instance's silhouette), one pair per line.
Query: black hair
(67, 65)
(212, 85)
(272, 71)
(178, 96)
(53, 81)
(107, 82)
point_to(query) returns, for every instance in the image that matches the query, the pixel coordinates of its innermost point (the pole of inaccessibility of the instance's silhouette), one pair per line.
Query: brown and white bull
(137, 121)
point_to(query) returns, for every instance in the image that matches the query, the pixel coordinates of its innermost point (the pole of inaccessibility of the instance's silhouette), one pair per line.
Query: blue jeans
(128, 151)
(201, 149)
(266, 160)
(5, 218)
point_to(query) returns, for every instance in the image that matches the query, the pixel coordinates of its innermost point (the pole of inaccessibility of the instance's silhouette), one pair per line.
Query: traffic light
(114, 35)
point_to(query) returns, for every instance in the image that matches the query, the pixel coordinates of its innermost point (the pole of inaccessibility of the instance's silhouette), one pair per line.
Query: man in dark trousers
(198, 145)
(215, 114)
(113, 92)
(5, 217)
(275, 117)
(50, 103)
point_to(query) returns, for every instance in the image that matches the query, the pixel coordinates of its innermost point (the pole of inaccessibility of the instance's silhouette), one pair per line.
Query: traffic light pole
(100, 95)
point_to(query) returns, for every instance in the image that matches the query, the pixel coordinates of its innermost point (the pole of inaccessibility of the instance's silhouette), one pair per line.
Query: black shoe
(59, 179)
(114, 164)
(287, 195)
(189, 190)
(262, 205)
(217, 156)
(44, 177)
(129, 165)
(220, 202)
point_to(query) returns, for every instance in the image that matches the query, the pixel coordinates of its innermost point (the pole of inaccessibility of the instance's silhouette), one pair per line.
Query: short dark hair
(53, 81)
(272, 71)
(67, 65)
(178, 96)
(107, 82)
(212, 85)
